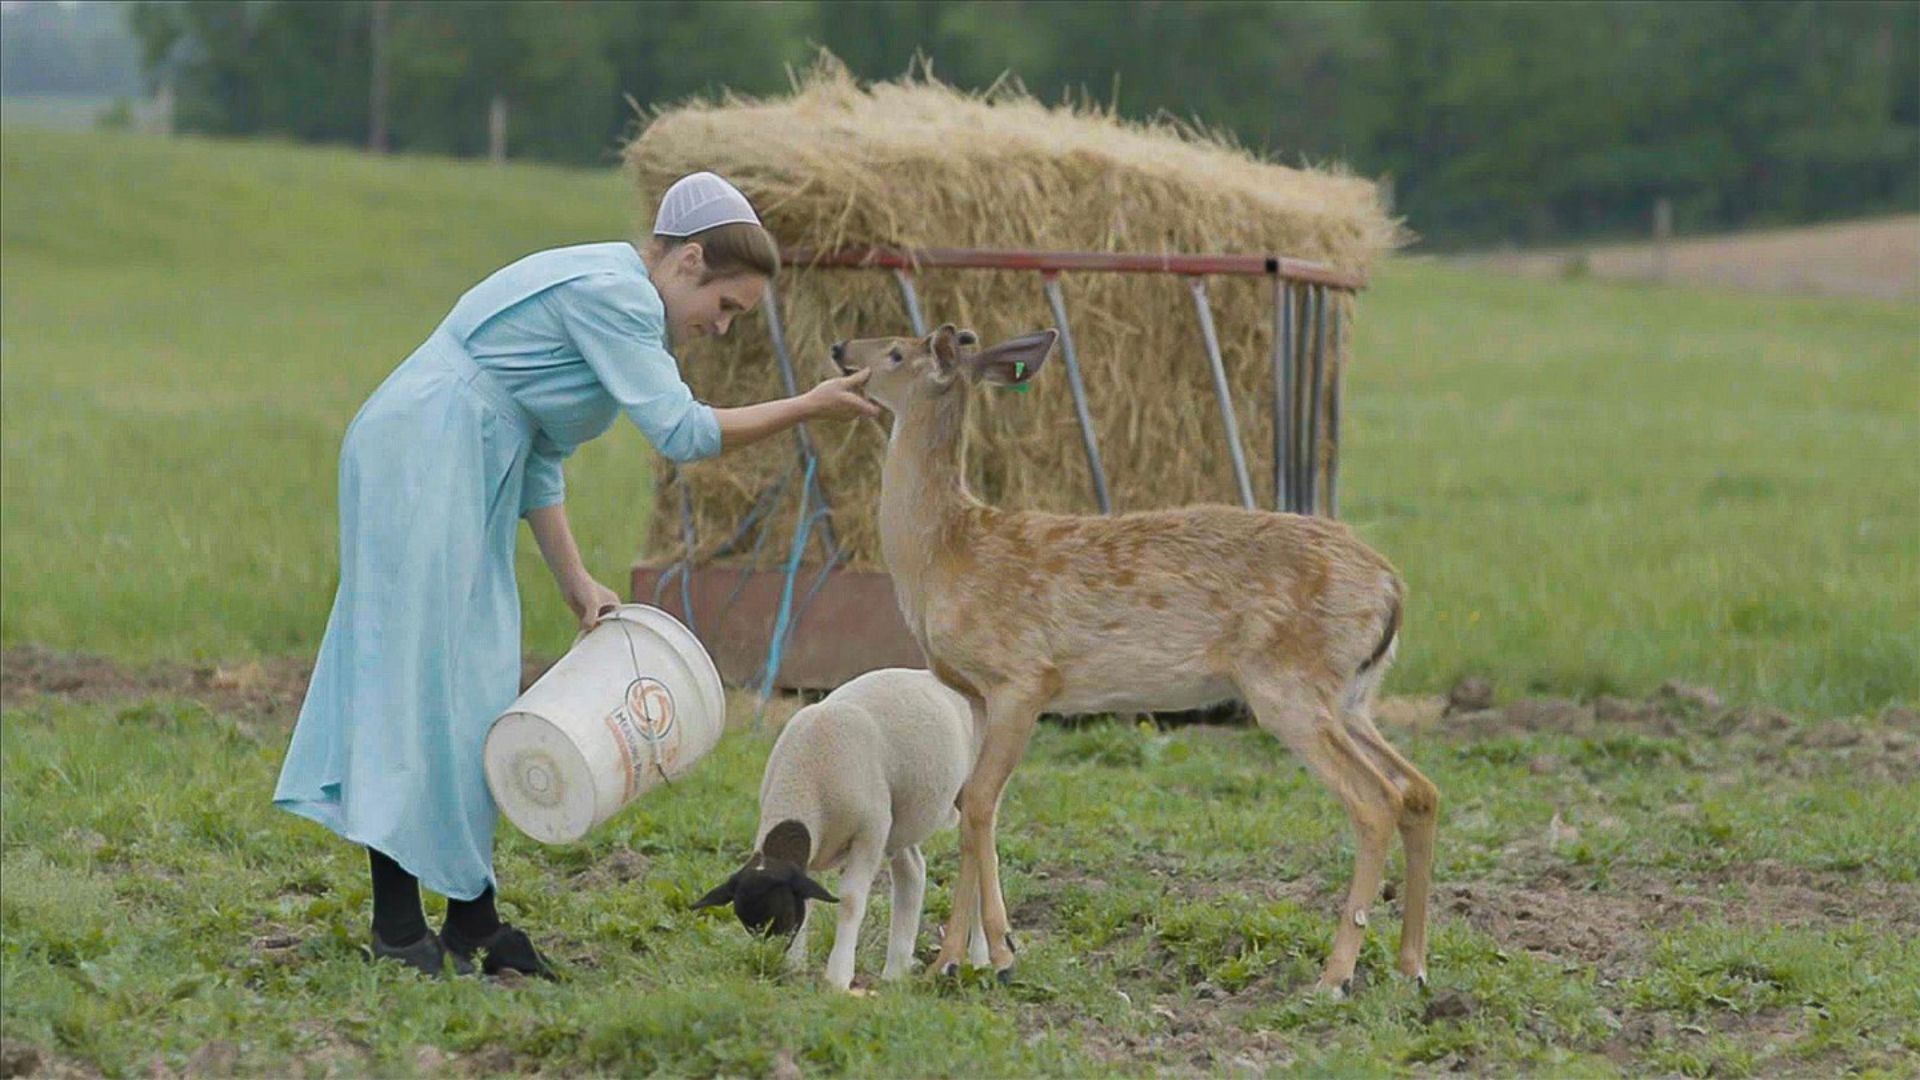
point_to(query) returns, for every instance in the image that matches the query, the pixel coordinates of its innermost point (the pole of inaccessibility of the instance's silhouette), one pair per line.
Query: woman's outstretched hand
(842, 398)
(835, 399)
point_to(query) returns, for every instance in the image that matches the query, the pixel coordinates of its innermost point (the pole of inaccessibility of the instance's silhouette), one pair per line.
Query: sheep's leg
(856, 881)
(1304, 716)
(909, 893)
(796, 958)
(1419, 821)
(1011, 715)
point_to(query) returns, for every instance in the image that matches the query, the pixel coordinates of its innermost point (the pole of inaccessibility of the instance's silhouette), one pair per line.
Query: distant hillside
(1879, 257)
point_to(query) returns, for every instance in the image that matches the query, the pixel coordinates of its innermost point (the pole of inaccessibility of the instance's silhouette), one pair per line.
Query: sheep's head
(769, 895)
(907, 368)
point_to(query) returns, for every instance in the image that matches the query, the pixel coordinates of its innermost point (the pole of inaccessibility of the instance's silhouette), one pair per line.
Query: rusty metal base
(853, 626)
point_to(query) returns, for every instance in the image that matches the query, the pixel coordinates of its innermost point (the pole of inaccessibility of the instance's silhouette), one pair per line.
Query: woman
(422, 649)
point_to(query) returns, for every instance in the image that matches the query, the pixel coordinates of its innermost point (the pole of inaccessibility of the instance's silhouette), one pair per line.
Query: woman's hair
(739, 247)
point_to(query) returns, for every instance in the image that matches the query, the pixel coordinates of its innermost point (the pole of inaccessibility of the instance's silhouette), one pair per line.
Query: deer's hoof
(950, 970)
(1339, 991)
(1004, 976)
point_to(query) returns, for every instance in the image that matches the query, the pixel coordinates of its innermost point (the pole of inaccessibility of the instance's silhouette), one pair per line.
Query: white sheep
(866, 774)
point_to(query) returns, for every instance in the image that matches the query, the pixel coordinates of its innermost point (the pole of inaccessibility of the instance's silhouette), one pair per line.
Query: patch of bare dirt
(1610, 930)
(266, 689)
(17, 1059)
(620, 867)
(1554, 911)
(1606, 932)
(273, 689)
(260, 688)
(23, 1059)
(1677, 709)
(1196, 1038)
(1882, 747)
(334, 1053)
(1767, 1031)
(1772, 893)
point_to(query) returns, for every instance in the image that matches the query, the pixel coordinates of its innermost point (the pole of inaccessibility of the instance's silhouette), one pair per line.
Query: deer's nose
(839, 350)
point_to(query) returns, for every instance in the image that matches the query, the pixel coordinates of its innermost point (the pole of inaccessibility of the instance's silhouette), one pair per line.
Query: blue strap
(776, 649)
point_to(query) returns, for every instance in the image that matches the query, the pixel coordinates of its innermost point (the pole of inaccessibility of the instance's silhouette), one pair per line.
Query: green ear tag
(1020, 372)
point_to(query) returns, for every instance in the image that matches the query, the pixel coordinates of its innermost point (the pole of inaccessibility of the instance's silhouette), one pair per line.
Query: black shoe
(427, 956)
(507, 949)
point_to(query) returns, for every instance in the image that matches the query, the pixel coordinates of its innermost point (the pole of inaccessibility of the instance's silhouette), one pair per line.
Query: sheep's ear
(789, 842)
(721, 894)
(810, 889)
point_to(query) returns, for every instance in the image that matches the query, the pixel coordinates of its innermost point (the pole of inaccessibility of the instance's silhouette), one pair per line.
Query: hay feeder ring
(764, 630)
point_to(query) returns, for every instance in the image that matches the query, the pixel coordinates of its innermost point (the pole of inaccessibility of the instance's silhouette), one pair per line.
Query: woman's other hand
(590, 600)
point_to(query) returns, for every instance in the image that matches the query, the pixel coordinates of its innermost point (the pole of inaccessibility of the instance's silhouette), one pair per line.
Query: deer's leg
(1419, 822)
(1304, 716)
(963, 920)
(977, 953)
(1010, 719)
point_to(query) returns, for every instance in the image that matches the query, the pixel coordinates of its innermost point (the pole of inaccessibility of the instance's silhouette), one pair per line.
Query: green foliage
(1516, 121)
(1524, 121)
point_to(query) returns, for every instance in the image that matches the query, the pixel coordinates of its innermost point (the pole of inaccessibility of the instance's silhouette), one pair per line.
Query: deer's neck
(923, 495)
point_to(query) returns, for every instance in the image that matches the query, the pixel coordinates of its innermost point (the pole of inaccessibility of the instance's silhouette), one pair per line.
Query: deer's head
(909, 369)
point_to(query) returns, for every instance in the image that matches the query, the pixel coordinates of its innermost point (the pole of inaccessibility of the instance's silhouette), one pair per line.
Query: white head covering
(698, 202)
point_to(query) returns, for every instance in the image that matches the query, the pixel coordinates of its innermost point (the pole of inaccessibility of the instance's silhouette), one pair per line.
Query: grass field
(1670, 890)
(65, 112)
(1588, 487)
(1591, 489)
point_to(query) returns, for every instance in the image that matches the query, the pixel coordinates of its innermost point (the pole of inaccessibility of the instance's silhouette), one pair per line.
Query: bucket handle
(607, 611)
(612, 613)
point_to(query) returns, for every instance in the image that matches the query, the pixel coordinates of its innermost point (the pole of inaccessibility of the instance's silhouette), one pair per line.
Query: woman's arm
(588, 598)
(834, 399)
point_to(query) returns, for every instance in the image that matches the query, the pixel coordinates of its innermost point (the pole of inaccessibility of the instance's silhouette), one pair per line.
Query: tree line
(1522, 122)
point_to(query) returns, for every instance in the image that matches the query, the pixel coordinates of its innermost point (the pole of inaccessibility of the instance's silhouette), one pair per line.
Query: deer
(1029, 612)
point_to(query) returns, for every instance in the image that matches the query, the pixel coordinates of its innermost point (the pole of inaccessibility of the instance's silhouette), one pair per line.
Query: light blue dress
(422, 649)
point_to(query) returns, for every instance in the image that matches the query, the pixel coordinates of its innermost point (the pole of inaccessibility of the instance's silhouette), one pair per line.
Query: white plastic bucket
(635, 702)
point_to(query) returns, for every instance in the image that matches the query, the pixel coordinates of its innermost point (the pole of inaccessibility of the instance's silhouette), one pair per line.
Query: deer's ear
(945, 343)
(1011, 363)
